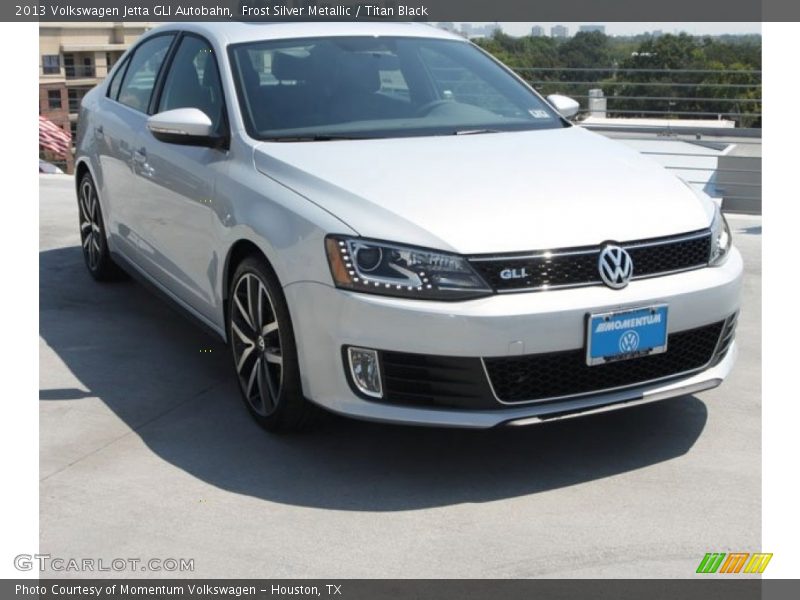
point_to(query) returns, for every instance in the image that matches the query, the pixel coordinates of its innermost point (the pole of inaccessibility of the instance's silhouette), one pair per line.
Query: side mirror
(566, 106)
(185, 126)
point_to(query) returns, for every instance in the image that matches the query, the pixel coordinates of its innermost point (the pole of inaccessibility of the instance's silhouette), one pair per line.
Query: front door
(179, 182)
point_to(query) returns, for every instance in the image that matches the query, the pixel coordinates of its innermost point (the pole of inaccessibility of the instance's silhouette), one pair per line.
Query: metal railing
(79, 71)
(723, 162)
(733, 94)
(721, 159)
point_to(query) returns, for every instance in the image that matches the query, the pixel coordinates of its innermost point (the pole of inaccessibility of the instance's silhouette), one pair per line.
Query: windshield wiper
(475, 131)
(334, 137)
(315, 138)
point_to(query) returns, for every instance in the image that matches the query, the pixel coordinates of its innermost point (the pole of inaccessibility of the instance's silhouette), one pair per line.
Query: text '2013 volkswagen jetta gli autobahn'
(383, 220)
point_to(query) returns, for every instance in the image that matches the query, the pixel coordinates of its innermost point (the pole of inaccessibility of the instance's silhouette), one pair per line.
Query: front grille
(556, 374)
(574, 267)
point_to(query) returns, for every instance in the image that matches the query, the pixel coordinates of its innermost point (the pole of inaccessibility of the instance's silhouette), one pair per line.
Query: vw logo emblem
(615, 266)
(629, 341)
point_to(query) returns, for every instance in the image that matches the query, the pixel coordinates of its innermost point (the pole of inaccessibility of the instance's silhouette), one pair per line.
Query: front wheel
(264, 351)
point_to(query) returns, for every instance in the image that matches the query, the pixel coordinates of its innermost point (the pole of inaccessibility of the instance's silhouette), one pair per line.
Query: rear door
(118, 135)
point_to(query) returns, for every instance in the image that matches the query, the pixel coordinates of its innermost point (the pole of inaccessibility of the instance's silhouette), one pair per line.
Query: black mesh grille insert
(578, 266)
(461, 382)
(425, 380)
(540, 376)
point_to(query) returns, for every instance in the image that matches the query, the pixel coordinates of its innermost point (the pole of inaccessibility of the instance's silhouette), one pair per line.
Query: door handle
(140, 159)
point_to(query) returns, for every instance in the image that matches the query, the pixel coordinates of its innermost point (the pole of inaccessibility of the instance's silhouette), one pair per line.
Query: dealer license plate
(626, 334)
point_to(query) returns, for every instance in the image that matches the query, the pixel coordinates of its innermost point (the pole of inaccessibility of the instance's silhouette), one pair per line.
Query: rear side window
(140, 77)
(116, 81)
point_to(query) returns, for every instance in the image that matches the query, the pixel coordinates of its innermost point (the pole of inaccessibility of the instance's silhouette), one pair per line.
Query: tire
(93, 234)
(263, 348)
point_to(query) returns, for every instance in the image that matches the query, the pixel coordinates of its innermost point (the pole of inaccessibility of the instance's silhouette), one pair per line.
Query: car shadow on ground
(755, 230)
(173, 385)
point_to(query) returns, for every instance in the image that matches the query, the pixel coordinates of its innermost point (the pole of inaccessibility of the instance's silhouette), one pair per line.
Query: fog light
(365, 371)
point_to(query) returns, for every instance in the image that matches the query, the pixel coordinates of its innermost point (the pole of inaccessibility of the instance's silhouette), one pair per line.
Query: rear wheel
(93, 234)
(264, 350)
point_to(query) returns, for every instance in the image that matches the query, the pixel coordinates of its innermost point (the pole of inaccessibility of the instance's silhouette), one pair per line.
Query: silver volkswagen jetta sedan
(383, 220)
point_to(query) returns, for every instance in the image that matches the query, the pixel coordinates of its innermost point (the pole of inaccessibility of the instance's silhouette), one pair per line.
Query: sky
(518, 28)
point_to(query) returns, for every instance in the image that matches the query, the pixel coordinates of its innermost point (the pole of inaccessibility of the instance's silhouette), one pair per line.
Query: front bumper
(326, 319)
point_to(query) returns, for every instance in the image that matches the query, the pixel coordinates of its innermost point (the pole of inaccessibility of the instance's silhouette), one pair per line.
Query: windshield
(368, 87)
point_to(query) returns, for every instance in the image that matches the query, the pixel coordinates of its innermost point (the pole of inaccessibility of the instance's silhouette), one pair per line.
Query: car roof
(238, 32)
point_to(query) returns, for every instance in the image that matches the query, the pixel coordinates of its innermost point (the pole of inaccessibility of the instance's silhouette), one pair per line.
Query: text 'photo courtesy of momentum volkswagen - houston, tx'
(383, 220)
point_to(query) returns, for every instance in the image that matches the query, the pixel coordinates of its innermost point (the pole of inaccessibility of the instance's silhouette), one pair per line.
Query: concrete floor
(147, 452)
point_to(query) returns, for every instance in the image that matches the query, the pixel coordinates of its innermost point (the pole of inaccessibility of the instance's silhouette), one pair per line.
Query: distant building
(492, 28)
(466, 29)
(537, 31)
(591, 28)
(480, 31)
(658, 33)
(73, 58)
(447, 26)
(559, 31)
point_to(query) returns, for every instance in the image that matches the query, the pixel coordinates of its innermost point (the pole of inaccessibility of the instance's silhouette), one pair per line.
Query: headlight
(720, 239)
(393, 270)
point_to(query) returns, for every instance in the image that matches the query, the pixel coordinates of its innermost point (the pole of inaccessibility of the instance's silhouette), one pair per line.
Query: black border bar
(710, 587)
(426, 10)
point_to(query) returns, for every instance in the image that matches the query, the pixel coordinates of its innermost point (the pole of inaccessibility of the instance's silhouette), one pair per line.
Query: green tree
(644, 75)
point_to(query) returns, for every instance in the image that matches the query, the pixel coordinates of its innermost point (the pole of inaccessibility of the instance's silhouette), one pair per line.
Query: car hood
(485, 193)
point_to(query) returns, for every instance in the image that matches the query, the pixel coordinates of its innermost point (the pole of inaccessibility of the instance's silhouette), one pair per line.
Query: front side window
(320, 88)
(193, 81)
(140, 76)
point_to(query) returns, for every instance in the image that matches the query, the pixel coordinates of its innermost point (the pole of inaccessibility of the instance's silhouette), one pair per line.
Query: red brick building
(73, 58)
